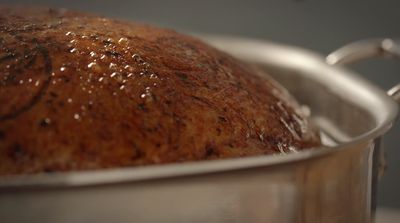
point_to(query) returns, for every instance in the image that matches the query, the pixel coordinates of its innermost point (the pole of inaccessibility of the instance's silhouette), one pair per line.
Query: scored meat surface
(80, 92)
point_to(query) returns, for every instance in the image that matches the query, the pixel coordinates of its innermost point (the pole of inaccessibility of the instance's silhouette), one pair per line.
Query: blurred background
(321, 26)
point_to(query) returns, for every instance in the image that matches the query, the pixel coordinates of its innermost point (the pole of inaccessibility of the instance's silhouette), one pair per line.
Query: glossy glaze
(85, 92)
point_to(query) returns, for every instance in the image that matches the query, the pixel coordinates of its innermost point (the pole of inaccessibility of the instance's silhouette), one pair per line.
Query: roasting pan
(336, 183)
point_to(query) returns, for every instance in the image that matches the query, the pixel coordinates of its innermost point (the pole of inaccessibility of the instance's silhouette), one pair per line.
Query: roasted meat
(79, 92)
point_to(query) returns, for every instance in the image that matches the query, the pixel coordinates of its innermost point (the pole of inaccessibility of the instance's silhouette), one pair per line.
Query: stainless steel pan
(335, 183)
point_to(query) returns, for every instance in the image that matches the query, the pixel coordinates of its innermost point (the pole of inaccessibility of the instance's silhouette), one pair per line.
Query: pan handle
(365, 49)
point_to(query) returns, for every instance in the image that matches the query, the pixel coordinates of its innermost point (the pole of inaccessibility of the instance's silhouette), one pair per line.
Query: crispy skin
(85, 92)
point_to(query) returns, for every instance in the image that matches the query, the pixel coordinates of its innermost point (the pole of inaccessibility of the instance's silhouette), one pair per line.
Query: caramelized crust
(85, 92)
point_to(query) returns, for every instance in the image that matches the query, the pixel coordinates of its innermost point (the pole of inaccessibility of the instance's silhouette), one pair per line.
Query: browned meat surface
(84, 92)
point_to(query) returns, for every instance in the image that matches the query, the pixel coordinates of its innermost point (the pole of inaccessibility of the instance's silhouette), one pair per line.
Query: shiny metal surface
(330, 184)
(365, 49)
(395, 92)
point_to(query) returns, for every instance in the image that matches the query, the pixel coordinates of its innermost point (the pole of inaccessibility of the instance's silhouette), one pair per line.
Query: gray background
(321, 25)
